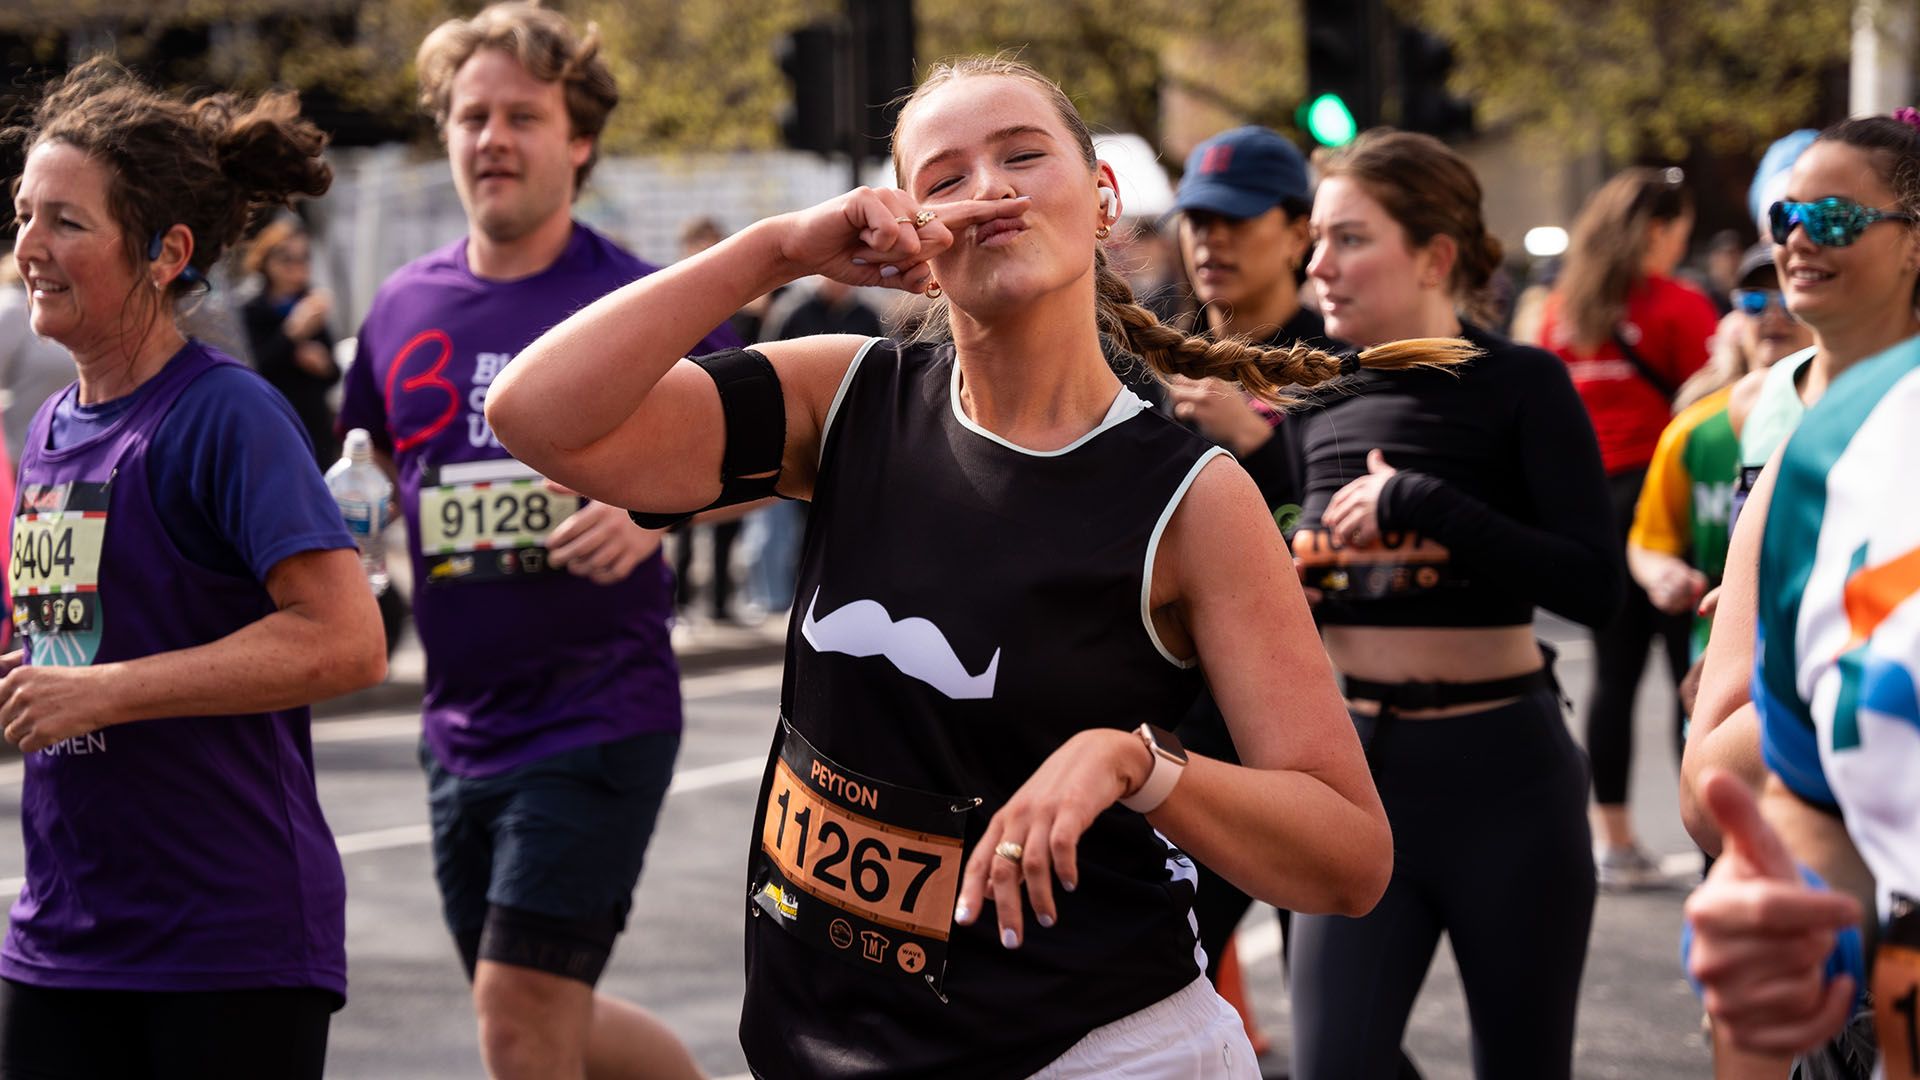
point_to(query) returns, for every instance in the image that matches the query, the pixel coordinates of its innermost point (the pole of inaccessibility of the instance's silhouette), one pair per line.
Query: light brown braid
(1265, 372)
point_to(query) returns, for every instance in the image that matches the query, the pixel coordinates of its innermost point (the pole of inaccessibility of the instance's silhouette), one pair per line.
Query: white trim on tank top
(1126, 405)
(846, 383)
(1153, 547)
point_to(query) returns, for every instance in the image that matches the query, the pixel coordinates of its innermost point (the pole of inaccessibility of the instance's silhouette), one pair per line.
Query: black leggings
(1218, 906)
(50, 1034)
(1491, 847)
(1620, 658)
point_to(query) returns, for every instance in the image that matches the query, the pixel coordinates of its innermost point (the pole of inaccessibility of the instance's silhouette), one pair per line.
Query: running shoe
(1627, 869)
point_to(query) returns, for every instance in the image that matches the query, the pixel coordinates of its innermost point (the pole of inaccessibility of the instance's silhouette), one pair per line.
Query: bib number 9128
(488, 520)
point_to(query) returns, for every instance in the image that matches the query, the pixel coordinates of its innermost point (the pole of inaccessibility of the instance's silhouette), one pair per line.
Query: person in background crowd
(750, 322)
(1631, 335)
(832, 308)
(1438, 509)
(773, 533)
(287, 329)
(1001, 539)
(1677, 548)
(1725, 255)
(1242, 204)
(721, 530)
(1149, 259)
(32, 368)
(185, 586)
(552, 714)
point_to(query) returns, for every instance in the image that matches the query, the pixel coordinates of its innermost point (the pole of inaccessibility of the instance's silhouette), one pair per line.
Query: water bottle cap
(359, 445)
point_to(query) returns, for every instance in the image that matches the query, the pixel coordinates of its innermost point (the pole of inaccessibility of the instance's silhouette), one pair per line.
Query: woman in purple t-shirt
(185, 587)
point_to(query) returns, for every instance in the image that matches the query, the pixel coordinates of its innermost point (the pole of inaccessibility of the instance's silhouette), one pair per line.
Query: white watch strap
(1158, 786)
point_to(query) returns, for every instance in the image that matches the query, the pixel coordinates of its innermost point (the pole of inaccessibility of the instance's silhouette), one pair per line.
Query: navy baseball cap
(1242, 173)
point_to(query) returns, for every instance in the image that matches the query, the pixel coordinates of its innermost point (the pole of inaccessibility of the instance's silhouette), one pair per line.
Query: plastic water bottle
(362, 492)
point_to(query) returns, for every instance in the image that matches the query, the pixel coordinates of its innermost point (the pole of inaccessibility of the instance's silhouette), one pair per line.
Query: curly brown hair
(1267, 373)
(206, 164)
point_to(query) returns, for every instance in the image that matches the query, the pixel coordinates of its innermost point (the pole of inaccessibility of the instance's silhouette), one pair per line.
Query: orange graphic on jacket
(1398, 563)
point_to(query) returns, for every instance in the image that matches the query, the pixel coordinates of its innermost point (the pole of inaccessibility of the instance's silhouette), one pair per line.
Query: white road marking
(399, 836)
(406, 724)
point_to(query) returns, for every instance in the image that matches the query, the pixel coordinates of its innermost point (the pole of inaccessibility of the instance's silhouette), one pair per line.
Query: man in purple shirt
(552, 710)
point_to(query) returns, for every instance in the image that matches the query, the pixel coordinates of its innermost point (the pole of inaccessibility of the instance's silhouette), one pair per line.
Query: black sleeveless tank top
(964, 607)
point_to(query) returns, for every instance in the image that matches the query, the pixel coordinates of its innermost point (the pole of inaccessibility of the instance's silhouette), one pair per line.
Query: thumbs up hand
(1762, 936)
(1352, 516)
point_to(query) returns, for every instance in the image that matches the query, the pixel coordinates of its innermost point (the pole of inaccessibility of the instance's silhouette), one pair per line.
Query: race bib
(857, 867)
(1399, 564)
(1896, 991)
(53, 574)
(488, 521)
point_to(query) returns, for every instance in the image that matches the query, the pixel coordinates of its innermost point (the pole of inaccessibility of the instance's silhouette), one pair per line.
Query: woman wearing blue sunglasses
(1848, 253)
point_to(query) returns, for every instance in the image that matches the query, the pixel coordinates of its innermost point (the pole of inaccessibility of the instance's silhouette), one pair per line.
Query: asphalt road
(408, 1015)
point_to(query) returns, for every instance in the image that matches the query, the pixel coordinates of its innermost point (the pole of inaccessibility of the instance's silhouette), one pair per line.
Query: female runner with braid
(1438, 509)
(1011, 572)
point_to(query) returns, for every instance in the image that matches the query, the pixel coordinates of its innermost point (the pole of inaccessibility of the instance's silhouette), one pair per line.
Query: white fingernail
(1046, 920)
(859, 262)
(1010, 939)
(889, 271)
(961, 913)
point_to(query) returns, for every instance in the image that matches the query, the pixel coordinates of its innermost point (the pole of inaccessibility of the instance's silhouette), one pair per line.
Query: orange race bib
(1896, 991)
(858, 867)
(1400, 564)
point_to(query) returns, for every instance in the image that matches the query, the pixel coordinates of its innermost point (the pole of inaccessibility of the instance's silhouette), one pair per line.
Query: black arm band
(754, 414)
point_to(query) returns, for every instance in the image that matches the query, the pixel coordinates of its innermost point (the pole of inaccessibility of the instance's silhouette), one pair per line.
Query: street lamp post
(1881, 72)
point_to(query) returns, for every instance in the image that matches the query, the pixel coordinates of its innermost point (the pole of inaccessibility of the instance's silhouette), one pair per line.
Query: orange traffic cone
(1234, 989)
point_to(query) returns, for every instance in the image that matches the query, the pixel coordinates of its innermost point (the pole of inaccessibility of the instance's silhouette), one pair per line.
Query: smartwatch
(1169, 761)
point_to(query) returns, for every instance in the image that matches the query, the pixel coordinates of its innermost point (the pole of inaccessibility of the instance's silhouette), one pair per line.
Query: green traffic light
(1330, 122)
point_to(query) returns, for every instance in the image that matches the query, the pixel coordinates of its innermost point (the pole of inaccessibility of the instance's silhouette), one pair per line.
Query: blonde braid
(1262, 371)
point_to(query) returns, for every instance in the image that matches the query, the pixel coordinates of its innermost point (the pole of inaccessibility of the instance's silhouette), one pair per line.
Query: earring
(933, 291)
(1103, 231)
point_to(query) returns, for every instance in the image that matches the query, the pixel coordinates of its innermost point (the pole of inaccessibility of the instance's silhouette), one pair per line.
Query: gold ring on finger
(1009, 850)
(920, 219)
(903, 220)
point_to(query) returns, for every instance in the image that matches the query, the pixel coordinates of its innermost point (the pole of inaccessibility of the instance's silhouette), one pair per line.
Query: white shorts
(1190, 1035)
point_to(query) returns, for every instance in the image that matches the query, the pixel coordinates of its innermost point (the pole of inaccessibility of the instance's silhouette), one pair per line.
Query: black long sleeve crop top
(1499, 504)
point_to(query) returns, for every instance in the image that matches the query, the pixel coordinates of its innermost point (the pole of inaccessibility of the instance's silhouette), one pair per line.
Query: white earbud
(1106, 203)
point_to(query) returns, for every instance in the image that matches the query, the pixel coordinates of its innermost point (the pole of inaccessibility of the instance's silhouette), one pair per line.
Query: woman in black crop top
(1009, 568)
(1436, 511)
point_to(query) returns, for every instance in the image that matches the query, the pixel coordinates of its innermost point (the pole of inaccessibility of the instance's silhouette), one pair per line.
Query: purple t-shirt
(522, 661)
(183, 853)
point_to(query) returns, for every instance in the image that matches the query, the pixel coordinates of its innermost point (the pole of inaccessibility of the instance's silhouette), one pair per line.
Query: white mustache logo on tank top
(915, 646)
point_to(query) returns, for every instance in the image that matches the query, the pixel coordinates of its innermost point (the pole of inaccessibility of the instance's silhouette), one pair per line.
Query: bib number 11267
(858, 867)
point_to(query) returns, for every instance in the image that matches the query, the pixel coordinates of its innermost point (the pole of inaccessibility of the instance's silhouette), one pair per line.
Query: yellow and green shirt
(1684, 507)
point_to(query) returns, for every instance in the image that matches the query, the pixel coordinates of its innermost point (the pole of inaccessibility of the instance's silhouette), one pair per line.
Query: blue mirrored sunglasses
(1755, 302)
(1830, 222)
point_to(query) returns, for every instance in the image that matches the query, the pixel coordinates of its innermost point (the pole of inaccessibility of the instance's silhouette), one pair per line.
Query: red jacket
(1670, 325)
